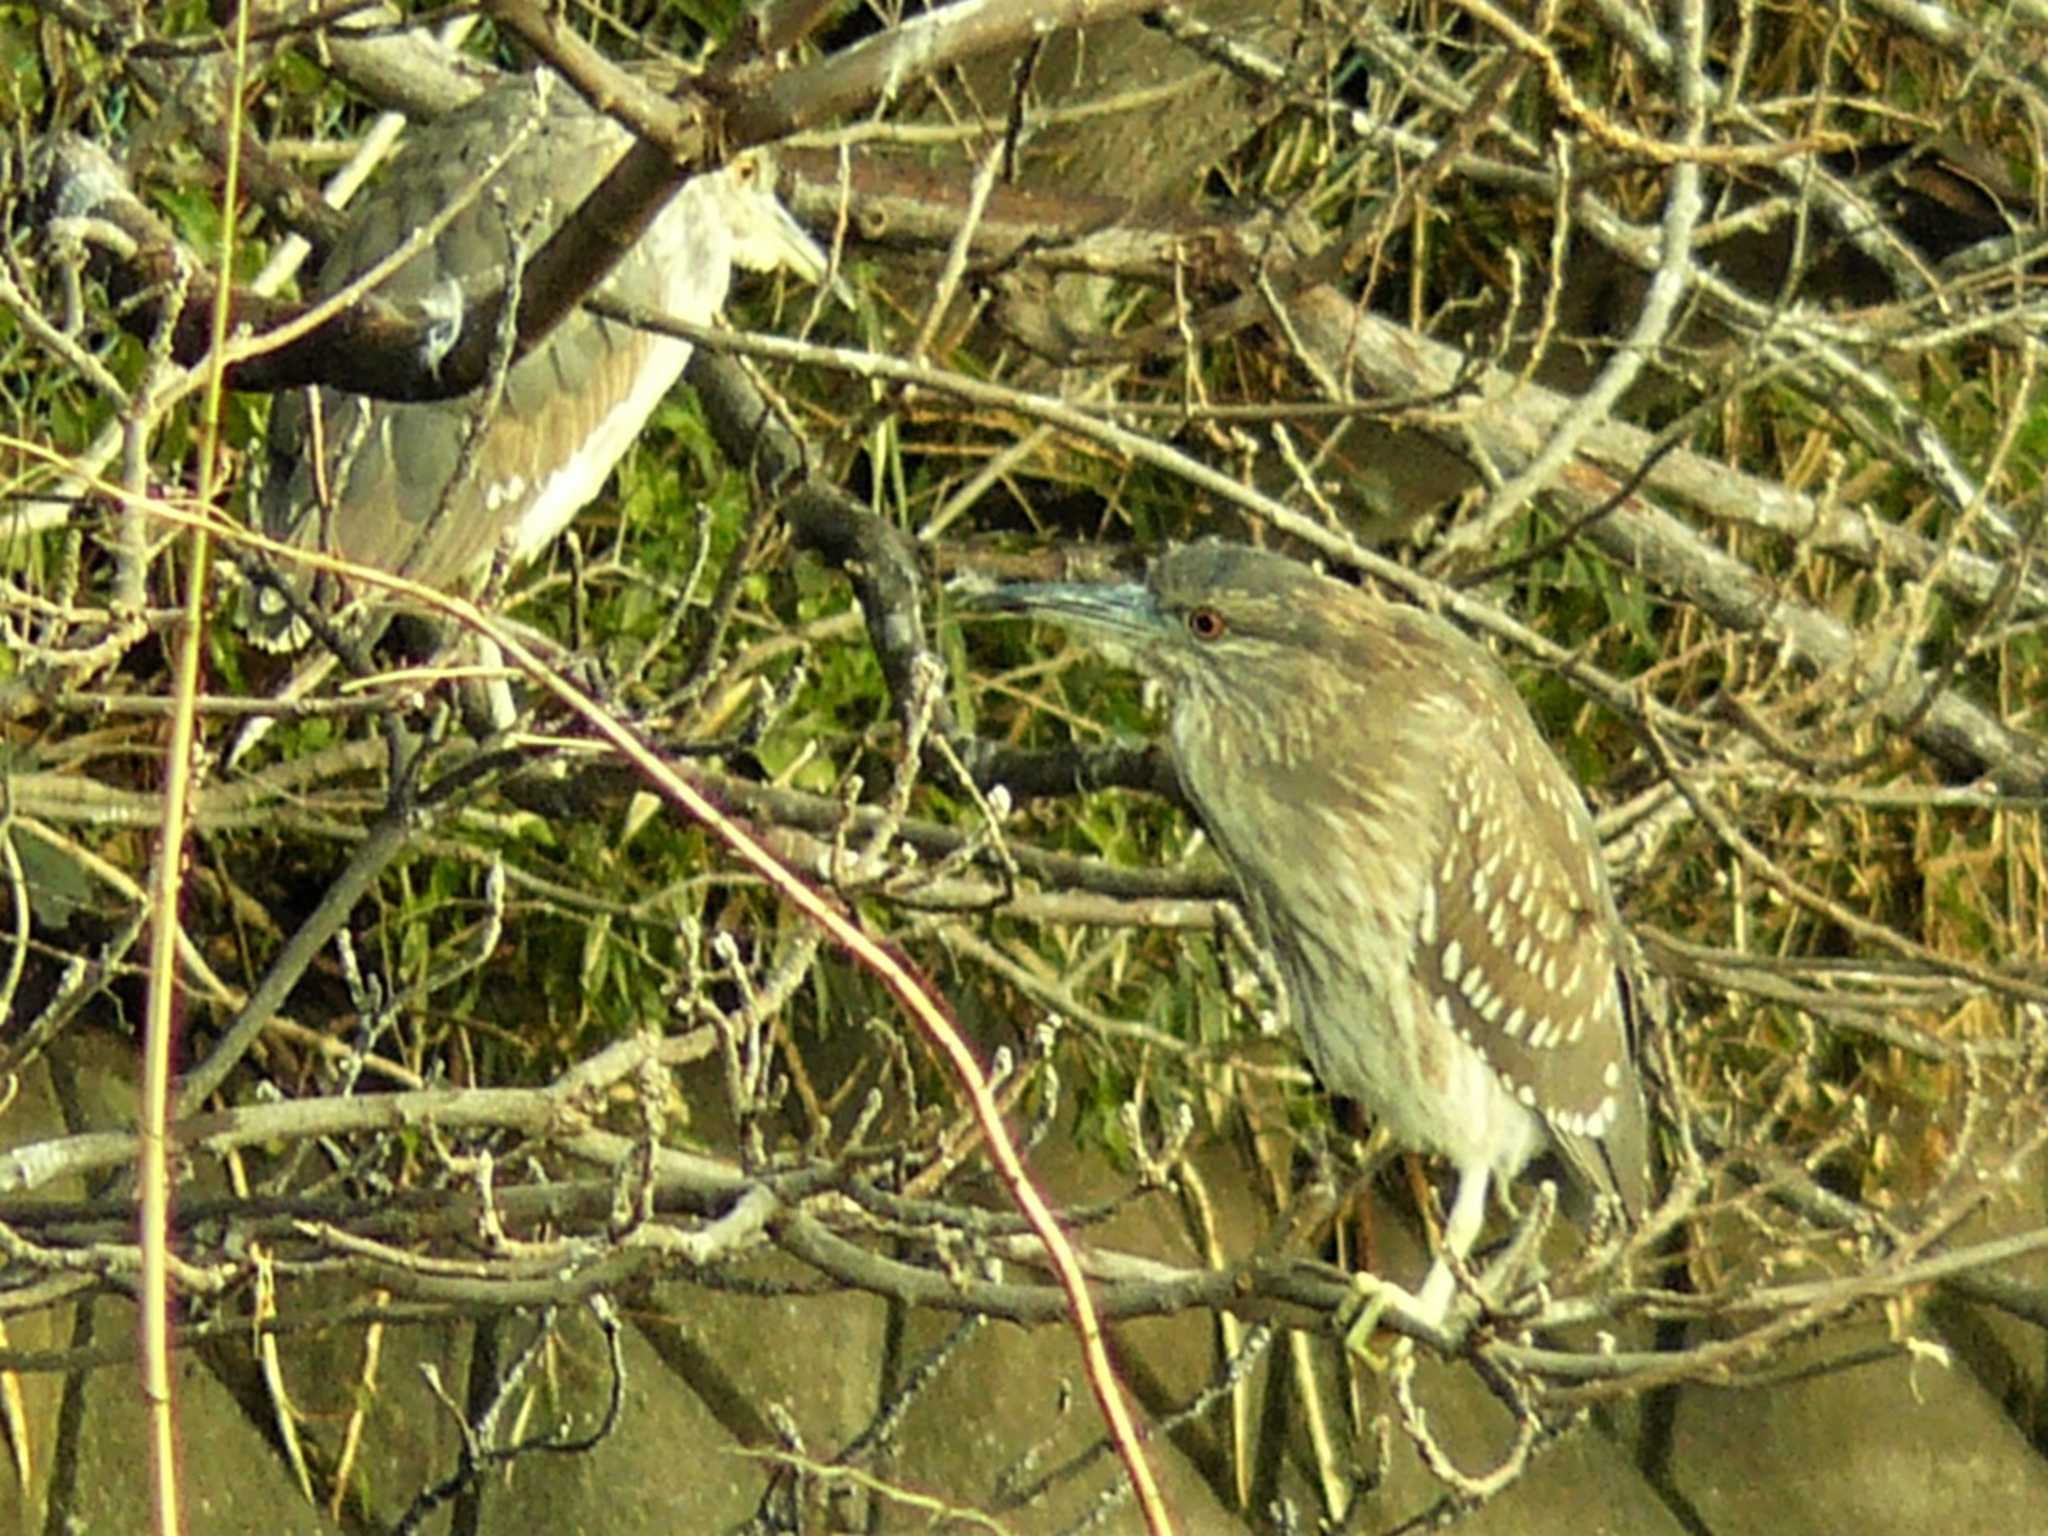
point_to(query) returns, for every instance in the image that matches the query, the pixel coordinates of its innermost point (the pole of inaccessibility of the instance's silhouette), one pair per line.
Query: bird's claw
(1374, 1298)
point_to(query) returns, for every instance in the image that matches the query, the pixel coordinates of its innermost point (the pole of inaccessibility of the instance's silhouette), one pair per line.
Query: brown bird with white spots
(1418, 859)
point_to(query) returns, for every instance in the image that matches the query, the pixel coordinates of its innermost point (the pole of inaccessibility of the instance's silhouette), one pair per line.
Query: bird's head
(1211, 618)
(765, 235)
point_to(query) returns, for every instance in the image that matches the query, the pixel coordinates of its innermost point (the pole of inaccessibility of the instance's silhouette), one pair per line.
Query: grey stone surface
(817, 1357)
(94, 1475)
(1901, 1446)
(2007, 1356)
(671, 1466)
(1012, 1409)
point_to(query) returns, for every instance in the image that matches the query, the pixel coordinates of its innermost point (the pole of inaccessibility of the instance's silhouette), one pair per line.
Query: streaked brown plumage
(1421, 863)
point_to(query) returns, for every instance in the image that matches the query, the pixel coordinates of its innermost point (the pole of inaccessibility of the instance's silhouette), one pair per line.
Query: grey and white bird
(389, 484)
(1415, 855)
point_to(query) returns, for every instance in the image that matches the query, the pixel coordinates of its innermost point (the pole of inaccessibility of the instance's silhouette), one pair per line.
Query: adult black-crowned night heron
(1420, 863)
(391, 485)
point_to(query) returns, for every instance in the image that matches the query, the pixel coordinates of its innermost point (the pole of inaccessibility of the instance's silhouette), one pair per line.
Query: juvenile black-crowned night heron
(383, 488)
(1420, 863)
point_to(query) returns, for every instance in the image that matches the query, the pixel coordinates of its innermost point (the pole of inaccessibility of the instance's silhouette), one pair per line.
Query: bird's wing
(1519, 944)
(384, 491)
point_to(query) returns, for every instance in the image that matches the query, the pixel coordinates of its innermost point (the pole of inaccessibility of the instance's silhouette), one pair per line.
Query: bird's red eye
(1206, 624)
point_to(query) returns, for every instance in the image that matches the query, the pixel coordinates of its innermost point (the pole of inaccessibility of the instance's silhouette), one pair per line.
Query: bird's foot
(1373, 1299)
(1428, 1312)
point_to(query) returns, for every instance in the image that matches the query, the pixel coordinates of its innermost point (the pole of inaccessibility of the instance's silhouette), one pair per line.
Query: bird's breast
(1336, 864)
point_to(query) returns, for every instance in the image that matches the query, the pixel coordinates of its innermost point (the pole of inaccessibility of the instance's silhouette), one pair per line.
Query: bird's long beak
(807, 259)
(799, 252)
(1122, 611)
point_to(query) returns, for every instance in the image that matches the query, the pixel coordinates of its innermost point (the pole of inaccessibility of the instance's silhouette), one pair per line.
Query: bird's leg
(1461, 1230)
(1432, 1304)
(494, 708)
(1519, 1259)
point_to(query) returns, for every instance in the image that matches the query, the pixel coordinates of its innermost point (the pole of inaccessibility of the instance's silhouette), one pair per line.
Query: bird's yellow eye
(1206, 624)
